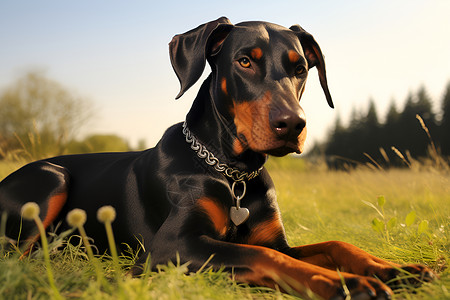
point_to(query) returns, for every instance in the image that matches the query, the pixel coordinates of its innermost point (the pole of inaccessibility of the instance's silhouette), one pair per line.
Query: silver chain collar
(235, 174)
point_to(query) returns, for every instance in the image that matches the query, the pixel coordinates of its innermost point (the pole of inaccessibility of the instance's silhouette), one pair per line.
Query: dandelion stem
(90, 253)
(112, 243)
(2, 233)
(106, 215)
(77, 218)
(45, 249)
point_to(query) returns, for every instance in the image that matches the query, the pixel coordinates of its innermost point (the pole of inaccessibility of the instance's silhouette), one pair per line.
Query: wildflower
(30, 211)
(106, 214)
(76, 217)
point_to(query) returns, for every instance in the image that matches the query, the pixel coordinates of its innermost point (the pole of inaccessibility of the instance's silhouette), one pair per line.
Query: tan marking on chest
(216, 213)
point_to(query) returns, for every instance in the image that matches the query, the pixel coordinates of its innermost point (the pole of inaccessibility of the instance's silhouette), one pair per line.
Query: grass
(401, 215)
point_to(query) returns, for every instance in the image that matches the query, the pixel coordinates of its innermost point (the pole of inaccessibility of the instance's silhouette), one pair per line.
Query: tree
(371, 119)
(391, 132)
(392, 114)
(372, 126)
(445, 123)
(424, 105)
(39, 115)
(98, 143)
(336, 147)
(407, 125)
(335, 138)
(410, 135)
(371, 138)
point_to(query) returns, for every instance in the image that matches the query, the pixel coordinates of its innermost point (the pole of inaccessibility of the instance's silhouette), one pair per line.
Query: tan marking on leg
(266, 232)
(55, 205)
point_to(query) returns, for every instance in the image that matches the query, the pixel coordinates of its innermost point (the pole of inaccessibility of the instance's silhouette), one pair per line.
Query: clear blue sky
(115, 53)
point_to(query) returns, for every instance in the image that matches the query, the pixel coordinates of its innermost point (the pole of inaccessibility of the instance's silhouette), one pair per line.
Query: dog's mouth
(282, 150)
(269, 145)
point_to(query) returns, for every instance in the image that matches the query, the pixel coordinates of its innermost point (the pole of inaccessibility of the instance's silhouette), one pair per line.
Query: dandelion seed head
(106, 214)
(30, 210)
(76, 217)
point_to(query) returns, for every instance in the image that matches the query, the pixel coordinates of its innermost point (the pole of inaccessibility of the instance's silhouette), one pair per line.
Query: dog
(202, 192)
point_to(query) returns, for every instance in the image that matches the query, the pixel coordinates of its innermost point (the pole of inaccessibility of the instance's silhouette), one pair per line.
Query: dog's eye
(299, 70)
(245, 62)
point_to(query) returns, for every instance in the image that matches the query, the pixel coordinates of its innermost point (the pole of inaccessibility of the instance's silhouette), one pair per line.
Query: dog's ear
(314, 57)
(188, 51)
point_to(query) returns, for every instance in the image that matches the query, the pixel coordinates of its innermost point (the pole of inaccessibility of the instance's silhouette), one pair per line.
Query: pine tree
(445, 123)
(406, 125)
(372, 116)
(392, 115)
(425, 111)
(391, 132)
(334, 145)
(371, 134)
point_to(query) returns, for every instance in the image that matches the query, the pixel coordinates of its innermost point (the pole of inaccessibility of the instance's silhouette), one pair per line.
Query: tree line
(414, 130)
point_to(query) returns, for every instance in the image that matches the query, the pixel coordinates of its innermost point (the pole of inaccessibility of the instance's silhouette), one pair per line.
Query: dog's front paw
(356, 287)
(367, 288)
(411, 275)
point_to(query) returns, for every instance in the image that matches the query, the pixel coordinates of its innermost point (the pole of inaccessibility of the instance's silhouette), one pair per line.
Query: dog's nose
(287, 124)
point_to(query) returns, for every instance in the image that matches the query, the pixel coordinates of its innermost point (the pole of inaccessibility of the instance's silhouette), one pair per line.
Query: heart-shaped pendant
(239, 215)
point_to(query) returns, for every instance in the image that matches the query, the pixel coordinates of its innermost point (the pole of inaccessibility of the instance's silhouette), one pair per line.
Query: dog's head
(259, 75)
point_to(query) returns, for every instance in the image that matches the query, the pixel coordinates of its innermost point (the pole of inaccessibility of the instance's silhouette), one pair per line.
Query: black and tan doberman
(203, 190)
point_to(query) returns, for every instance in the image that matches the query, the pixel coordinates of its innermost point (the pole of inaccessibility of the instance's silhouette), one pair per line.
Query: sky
(115, 53)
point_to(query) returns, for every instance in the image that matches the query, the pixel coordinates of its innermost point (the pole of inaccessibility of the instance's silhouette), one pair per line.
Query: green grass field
(399, 215)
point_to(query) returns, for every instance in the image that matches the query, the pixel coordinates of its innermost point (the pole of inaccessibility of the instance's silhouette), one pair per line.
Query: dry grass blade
(399, 154)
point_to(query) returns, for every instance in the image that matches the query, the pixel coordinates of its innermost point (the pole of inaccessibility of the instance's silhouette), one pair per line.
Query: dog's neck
(215, 129)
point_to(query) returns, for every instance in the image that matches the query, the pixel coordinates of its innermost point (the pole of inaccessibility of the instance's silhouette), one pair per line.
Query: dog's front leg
(349, 258)
(267, 267)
